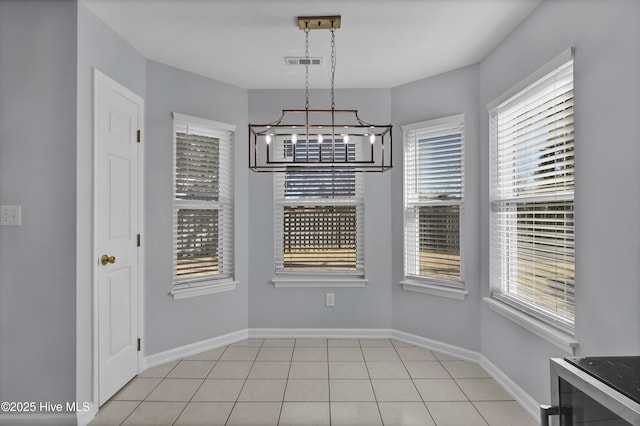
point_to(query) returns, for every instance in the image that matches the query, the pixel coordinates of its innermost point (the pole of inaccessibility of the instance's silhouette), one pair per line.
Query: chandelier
(318, 140)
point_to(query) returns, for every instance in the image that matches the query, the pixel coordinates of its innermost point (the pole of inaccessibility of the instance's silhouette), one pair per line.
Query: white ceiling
(381, 44)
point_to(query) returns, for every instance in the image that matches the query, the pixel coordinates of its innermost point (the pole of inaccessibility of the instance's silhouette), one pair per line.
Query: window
(434, 201)
(532, 192)
(203, 205)
(319, 216)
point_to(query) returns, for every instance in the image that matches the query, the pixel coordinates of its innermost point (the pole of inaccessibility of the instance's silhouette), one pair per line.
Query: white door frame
(98, 78)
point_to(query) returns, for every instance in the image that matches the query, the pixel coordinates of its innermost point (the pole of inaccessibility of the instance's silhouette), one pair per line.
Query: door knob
(107, 259)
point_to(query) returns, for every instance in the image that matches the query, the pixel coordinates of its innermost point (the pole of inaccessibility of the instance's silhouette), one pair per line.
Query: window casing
(434, 201)
(532, 199)
(319, 217)
(203, 203)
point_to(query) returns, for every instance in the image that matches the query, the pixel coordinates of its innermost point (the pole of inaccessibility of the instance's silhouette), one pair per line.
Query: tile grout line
(328, 380)
(297, 344)
(201, 384)
(460, 387)
(467, 396)
(150, 392)
(129, 415)
(462, 390)
(479, 413)
(286, 383)
(414, 383)
(371, 382)
(244, 383)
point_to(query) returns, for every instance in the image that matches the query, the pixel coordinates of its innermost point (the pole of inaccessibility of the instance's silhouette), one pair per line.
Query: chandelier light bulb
(331, 140)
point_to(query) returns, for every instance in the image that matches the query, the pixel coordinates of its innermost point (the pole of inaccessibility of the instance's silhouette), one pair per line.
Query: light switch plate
(10, 215)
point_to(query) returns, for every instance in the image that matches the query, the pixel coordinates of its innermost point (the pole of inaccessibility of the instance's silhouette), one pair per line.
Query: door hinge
(138, 240)
(139, 344)
(138, 135)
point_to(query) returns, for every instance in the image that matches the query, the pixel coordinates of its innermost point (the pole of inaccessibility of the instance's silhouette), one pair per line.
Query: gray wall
(172, 323)
(271, 307)
(98, 47)
(446, 320)
(606, 37)
(37, 171)
(167, 323)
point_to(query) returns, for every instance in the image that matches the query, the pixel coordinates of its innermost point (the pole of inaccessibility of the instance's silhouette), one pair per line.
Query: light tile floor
(299, 382)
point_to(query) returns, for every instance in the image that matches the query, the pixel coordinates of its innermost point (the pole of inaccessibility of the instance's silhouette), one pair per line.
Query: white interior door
(118, 117)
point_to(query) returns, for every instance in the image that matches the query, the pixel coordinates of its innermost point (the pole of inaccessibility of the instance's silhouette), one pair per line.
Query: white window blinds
(434, 200)
(532, 218)
(319, 219)
(203, 202)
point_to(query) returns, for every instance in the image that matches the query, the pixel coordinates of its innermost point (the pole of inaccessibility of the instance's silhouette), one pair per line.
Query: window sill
(434, 290)
(318, 281)
(185, 293)
(541, 329)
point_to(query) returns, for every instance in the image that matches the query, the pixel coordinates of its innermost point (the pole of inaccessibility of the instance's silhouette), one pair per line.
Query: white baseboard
(434, 345)
(326, 333)
(527, 402)
(194, 348)
(524, 399)
(530, 405)
(84, 417)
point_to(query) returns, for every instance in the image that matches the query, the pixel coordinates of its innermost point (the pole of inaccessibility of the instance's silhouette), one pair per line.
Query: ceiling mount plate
(319, 22)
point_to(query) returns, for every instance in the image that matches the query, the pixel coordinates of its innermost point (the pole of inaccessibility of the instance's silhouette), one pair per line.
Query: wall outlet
(330, 299)
(10, 215)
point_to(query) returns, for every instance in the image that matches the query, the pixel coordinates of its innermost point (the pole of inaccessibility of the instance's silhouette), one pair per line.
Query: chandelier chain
(333, 64)
(306, 67)
(350, 144)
